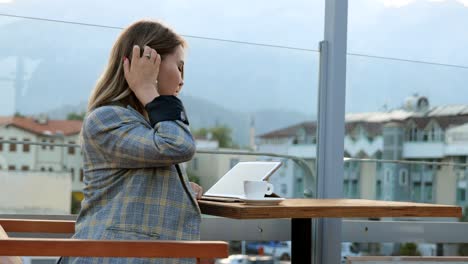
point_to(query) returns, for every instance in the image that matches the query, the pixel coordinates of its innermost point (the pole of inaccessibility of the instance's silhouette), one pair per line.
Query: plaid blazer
(132, 188)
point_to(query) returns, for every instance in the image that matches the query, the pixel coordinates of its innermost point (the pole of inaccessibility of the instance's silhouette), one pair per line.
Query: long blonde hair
(112, 86)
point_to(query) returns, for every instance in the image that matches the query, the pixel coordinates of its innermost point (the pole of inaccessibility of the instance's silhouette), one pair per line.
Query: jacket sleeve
(125, 141)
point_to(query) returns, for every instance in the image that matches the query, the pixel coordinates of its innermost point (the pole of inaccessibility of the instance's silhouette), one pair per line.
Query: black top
(166, 108)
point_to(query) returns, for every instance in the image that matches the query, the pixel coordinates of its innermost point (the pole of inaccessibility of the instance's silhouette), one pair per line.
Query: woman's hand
(197, 189)
(142, 73)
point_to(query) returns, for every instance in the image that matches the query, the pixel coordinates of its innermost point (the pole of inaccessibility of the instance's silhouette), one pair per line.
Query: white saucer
(264, 201)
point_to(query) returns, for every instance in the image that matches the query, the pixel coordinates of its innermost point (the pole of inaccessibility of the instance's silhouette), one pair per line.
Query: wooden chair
(8, 259)
(12, 248)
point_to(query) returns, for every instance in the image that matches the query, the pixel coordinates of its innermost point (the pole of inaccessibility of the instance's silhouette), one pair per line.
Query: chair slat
(38, 226)
(107, 248)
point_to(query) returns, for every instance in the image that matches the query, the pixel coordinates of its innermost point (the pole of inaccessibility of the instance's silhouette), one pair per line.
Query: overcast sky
(248, 78)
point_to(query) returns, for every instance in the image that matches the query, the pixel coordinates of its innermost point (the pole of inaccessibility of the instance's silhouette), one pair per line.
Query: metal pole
(331, 121)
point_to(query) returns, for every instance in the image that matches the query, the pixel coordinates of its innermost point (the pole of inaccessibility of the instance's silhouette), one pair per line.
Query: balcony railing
(356, 230)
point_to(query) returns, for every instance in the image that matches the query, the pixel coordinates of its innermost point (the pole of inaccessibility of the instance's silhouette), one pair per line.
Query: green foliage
(76, 116)
(223, 135)
(463, 250)
(202, 132)
(220, 133)
(409, 249)
(75, 205)
(193, 178)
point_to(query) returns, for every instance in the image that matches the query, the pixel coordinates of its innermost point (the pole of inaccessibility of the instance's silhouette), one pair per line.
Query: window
(389, 139)
(51, 169)
(72, 172)
(354, 188)
(388, 175)
(345, 188)
(415, 134)
(71, 150)
(26, 146)
(299, 188)
(42, 169)
(81, 175)
(52, 146)
(412, 133)
(11, 167)
(378, 190)
(301, 135)
(434, 132)
(25, 168)
(417, 191)
(44, 146)
(13, 145)
(1, 144)
(346, 164)
(428, 191)
(403, 179)
(461, 195)
(425, 137)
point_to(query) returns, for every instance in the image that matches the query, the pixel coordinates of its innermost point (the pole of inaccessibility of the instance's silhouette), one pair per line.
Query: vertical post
(331, 123)
(301, 240)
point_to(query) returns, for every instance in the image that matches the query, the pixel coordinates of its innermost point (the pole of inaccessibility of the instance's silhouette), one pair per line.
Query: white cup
(257, 189)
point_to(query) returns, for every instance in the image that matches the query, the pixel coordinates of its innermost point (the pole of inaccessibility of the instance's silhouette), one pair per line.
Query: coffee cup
(257, 189)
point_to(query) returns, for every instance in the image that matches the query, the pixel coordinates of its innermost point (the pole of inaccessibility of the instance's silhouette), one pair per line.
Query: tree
(76, 116)
(202, 132)
(193, 178)
(409, 249)
(223, 135)
(75, 205)
(220, 133)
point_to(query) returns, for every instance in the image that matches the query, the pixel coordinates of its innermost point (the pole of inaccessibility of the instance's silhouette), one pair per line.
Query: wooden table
(301, 212)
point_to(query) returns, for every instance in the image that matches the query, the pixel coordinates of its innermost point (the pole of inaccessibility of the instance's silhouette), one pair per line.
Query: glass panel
(294, 23)
(248, 76)
(406, 89)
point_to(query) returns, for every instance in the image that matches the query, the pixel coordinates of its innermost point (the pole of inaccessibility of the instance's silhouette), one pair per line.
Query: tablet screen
(232, 183)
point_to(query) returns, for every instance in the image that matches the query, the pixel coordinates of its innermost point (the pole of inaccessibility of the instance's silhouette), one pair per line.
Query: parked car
(246, 259)
(279, 249)
(234, 259)
(348, 250)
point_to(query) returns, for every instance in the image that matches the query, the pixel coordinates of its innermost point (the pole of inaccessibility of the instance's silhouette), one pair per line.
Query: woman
(133, 138)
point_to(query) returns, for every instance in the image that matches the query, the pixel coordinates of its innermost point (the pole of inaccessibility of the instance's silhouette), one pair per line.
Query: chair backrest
(97, 248)
(8, 259)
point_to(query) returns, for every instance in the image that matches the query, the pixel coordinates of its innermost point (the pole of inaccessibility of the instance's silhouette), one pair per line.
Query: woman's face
(170, 79)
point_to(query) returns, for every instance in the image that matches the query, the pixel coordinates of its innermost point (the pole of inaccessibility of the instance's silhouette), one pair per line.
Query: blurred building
(36, 178)
(414, 132)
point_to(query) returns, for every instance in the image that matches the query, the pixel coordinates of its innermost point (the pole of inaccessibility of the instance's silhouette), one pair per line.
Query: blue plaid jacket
(132, 188)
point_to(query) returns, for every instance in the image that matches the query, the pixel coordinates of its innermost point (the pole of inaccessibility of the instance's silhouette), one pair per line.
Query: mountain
(63, 111)
(203, 113)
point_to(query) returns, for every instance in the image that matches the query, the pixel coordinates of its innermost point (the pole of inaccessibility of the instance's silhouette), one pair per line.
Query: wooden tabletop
(336, 208)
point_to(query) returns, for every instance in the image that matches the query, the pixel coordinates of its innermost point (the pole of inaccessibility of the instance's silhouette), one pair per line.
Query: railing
(356, 230)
